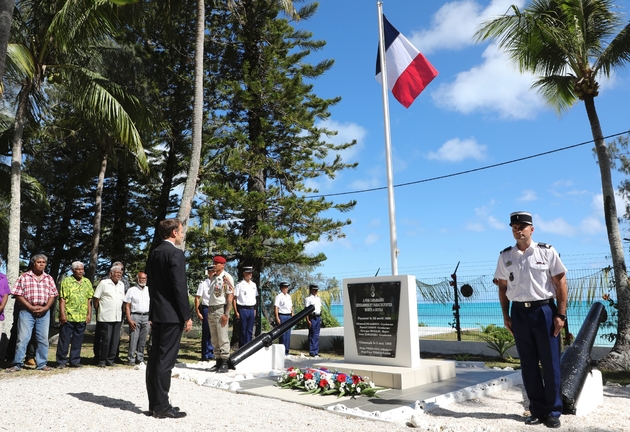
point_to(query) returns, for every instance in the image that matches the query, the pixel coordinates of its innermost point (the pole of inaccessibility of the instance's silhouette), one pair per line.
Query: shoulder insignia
(506, 249)
(544, 245)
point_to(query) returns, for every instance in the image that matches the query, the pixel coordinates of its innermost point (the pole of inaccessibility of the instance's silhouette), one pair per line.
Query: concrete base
(592, 394)
(266, 359)
(394, 377)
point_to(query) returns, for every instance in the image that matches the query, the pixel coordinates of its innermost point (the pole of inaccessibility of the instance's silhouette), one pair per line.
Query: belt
(532, 303)
(245, 307)
(315, 315)
(215, 307)
(140, 313)
(284, 314)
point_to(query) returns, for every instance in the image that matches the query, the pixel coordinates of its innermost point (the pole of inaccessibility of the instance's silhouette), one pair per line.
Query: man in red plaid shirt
(36, 292)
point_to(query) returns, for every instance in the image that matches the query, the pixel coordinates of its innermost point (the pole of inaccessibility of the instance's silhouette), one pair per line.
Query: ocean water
(472, 315)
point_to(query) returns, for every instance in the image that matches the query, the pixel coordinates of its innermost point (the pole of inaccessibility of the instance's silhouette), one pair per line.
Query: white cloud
(496, 224)
(456, 150)
(455, 23)
(494, 86)
(556, 226)
(475, 226)
(371, 238)
(592, 225)
(346, 132)
(528, 195)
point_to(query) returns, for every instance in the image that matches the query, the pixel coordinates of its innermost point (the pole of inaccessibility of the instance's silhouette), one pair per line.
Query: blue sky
(479, 111)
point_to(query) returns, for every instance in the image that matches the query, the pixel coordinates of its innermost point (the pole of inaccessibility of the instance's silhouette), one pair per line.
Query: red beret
(219, 259)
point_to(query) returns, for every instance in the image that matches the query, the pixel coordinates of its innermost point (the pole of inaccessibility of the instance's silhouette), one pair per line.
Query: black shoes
(549, 421)
(169, 413)
(216, 366)
(532, 420)
(552, 422)
(223, 368)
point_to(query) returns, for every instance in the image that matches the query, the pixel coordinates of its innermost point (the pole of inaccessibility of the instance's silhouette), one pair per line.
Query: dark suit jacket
(166, 279)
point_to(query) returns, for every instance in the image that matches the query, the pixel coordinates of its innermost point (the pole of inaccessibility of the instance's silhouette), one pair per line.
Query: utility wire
(468, 171)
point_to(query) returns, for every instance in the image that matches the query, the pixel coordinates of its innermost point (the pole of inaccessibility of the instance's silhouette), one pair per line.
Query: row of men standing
(35, 293)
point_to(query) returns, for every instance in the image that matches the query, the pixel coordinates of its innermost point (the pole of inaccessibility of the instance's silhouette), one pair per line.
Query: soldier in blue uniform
(530, 276)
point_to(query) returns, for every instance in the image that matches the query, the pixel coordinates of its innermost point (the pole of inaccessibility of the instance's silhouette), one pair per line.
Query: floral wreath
(322, 381)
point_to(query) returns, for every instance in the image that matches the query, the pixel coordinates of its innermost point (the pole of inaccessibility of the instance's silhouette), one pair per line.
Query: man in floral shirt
(75, 311)
(35, 291)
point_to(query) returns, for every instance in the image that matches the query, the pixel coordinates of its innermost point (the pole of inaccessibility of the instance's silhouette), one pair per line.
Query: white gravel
(91, 399)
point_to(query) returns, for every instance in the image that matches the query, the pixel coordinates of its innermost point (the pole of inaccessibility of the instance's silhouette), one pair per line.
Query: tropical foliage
(569, 45)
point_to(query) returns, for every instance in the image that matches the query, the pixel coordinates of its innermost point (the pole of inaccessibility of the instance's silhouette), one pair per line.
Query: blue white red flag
(408, 71)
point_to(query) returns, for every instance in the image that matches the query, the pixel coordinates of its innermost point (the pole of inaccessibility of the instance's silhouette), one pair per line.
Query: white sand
(92, 399)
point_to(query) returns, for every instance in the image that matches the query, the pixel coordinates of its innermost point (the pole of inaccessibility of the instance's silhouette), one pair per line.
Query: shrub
(498, 339)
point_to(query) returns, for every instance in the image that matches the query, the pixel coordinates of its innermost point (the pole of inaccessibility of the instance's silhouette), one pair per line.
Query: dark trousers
(313, 335)
(285, 338)
(533, 333)
(247, 325)
(97, 340)
(110, 338)
(207, 350)
(162, 358)
(70, 335)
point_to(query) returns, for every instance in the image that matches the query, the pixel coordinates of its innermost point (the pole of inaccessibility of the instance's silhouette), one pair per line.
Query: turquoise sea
(474, 314)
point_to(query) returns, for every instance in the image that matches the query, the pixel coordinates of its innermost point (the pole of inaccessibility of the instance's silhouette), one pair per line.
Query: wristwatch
(562, 317)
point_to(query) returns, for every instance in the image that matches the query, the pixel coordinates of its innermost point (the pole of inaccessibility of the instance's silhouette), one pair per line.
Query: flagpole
(388, 150)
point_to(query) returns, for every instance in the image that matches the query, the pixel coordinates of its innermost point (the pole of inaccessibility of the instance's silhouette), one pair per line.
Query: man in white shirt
(137, 312)
(314, 320)
(108, 299)
(245, 294)
(202, 300)
(283, 307)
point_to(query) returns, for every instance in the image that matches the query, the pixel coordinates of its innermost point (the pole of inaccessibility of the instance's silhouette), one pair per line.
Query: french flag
(408, 71)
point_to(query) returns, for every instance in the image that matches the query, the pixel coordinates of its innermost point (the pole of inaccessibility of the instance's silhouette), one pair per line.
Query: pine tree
(271, 145)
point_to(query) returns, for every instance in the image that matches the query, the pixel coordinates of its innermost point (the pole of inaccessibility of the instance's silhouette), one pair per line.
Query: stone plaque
(375, 308)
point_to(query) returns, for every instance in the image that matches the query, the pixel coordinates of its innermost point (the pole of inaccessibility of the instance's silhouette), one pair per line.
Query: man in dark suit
(169, 313)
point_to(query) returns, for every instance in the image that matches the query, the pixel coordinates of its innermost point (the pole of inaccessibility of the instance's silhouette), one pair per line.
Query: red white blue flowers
(324, 382)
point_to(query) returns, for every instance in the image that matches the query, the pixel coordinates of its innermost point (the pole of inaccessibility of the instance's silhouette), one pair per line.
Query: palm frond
(557, 90)
(20, 63)
(616, 53)
(107, 105)
(81, 20)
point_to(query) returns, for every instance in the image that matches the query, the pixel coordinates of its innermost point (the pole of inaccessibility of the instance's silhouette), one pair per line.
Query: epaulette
(506, 249)
(544, 245)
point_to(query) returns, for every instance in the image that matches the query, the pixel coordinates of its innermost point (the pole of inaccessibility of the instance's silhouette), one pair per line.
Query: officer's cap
(521, 218)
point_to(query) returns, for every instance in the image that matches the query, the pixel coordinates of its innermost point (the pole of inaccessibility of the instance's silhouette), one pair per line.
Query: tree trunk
(96, 233)
(619, 357)
(6, 16)
(13, 255)
(165, 192)
(197, 124)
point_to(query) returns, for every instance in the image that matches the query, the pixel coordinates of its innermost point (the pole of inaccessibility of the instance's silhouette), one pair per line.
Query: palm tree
(569, 45)
(48, 36)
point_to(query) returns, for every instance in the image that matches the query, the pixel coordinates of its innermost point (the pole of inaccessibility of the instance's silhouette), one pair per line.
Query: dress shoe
(101, 365)
(169, 413)
(62, 366)
(216, 366)
(552, 422)
(76, 365)
(224, 368)
(45, 369)
(533, 420)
